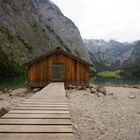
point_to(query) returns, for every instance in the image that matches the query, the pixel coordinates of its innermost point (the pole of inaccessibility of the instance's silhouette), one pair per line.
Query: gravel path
(110, 117)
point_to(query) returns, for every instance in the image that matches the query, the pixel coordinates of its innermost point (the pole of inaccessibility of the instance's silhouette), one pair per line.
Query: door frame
(55, 80)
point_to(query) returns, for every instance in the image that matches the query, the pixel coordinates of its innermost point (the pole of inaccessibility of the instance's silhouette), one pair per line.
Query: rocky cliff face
(29, 28)
(113, 55)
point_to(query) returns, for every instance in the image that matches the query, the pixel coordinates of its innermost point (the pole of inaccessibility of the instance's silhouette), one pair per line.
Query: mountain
(113, 55)
(30, 28)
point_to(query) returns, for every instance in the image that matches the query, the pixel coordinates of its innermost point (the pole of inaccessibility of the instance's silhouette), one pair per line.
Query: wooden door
(57, 72)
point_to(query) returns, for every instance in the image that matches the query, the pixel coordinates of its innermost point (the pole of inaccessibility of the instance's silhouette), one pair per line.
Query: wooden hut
(57, 65)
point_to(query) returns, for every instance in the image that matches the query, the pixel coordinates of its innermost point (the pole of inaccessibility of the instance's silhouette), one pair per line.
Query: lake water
(116, 81)
(12, 82)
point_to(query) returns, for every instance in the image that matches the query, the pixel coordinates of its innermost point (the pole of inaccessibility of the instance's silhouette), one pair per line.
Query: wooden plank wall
(40, 73)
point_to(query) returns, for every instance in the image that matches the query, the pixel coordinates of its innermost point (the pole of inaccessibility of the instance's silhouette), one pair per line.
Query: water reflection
(116, 81)
(12, 82)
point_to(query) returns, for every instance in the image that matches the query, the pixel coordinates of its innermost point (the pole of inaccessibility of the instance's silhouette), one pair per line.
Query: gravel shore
(115, 116)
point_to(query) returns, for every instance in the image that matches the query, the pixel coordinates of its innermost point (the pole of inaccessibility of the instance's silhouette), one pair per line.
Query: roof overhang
(57, 50)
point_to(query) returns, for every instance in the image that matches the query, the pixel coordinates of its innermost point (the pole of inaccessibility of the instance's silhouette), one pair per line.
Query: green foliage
(5, 30)
(8, 66)
(26, 45)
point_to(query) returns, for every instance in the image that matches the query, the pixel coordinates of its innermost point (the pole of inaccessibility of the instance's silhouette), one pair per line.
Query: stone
(92, 86)
(74, 87)
(4, 110)
(87, 86)
(100, 94)
(108, 84)
(132, 96)
(36, 90)
(110, 93)
(10, 94)
(84, 88)
(9, 91)
(80, 88)
(101, 89)
(136, 86)
(69, 87)
(1, 99)
(93, 90)
(5, 90)
(19, 91)
(75, 126)
(125, 85)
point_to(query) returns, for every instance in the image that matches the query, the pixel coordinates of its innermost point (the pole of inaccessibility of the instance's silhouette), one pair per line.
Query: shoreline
(97, 113)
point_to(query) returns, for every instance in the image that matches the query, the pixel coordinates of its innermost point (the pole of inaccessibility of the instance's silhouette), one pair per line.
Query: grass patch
(113, 74)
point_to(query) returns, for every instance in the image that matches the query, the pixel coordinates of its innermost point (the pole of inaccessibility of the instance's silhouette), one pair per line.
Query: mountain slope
(113, 55)
(29, 28)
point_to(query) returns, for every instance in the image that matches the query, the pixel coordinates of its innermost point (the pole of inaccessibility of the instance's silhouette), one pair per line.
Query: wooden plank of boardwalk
(44, 116)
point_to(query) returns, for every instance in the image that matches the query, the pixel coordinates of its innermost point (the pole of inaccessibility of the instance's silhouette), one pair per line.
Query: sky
(104, 19)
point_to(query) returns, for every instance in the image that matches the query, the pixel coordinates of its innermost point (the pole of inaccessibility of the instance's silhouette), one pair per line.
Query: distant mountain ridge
(113, 54)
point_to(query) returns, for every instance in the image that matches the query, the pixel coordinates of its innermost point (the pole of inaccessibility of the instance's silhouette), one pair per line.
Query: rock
(92, 86)
(101, 89)
(108, 84)
(22, 95)
(19, 91)
(125, 85)
(84, 88)
(87, 86)
(132, 96)
(5, 90)
(1, 99)
(100, 94)
(10, 94)
(111, 93)
(0, 92)
(36, 90)
(138, 112)
(136, 86)
(69, 87)
(80, 88)
(4, 110)
(74, 87)
(9, 91)
(93, 90)
(75, 126)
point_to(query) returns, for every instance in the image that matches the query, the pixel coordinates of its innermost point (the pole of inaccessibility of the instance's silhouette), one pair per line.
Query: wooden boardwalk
(44, 116)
